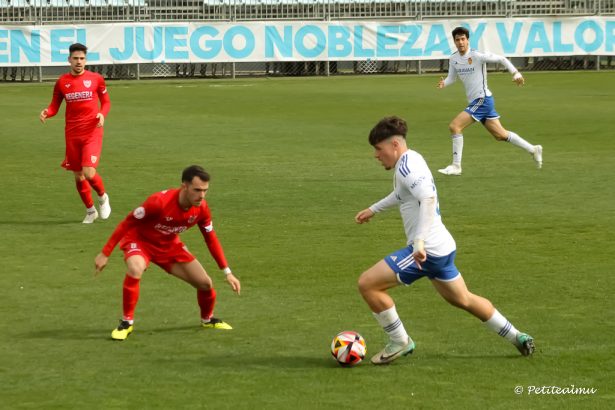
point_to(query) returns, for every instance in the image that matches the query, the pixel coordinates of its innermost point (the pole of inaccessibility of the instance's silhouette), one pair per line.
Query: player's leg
(373, 284)
(85, 193)
(496, 129)
(193, 273)
(89, 161)
(136, 265)
(456, 127)
(72, 162)
(457, 294)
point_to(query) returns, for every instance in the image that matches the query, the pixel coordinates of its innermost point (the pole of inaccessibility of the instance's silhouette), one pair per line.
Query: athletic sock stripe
(393, 326)
(505, 329)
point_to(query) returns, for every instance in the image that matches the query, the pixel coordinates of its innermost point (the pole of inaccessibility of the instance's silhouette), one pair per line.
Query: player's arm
(450, 79)
(54, 106)
(215, 249)
(385, 203)
(105, 103)
(149, 208)
(422, 187)
(495, 58)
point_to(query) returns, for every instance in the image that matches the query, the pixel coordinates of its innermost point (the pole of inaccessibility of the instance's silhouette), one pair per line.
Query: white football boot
(90, 216)
(105, 207)
(451, 170)
(538, 155)
(393, 351)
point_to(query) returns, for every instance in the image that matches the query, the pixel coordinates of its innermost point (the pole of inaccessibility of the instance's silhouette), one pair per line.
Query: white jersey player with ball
(470, 66)
(430, 250)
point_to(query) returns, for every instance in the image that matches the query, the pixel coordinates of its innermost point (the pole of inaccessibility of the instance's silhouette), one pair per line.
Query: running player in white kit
(430, 250)
(470, 66)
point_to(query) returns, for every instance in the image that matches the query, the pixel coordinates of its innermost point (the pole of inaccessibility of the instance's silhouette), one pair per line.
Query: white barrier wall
(303, 41)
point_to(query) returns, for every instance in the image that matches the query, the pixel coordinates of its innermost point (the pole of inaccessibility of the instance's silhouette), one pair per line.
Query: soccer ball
(348, 348)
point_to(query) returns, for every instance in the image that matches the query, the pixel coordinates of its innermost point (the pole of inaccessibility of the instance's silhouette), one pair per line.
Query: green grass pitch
(291, 166)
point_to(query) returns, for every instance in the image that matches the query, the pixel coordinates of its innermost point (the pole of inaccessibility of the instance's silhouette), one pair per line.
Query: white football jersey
(413, 182)
(471, 68)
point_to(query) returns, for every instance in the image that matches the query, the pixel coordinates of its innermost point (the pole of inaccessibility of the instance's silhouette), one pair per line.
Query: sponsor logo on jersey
(139, 213)
(169, 230)
(78, 96)
(88, 83)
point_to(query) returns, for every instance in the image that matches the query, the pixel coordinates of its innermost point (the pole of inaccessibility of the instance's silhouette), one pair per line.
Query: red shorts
(164, 257)
(83, 151)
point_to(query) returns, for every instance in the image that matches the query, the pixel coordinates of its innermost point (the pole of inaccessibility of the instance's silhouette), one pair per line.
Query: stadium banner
(202, 42)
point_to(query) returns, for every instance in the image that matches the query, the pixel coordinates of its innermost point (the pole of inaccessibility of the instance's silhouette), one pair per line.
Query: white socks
(500, 325)
(457, 148)
(520, 142)
(392, 325)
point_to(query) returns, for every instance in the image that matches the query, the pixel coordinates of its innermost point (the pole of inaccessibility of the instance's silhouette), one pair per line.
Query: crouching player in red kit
(82, 91)
(150, 234)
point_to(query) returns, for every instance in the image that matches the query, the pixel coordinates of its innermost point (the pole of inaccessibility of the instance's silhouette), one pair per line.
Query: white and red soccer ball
(348, 348)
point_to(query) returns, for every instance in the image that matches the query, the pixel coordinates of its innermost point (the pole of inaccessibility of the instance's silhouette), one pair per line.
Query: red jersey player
(82, 91)
(151, 234)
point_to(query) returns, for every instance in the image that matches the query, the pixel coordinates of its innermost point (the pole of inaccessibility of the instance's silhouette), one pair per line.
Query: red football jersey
(160, 220)
(82, 94)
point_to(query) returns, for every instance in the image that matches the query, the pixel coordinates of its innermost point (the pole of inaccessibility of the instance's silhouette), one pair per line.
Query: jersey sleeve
(56, 100)
(147, 211)
(495, 58)
(385, 203)
(452, 74)
(103, 96)
(211, 239)
(419, 182)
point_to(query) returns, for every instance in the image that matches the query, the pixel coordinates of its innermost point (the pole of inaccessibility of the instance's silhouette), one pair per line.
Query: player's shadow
(40, 223)
(76, 333)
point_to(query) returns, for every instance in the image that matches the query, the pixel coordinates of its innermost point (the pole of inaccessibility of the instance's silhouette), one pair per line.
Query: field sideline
(291, 166)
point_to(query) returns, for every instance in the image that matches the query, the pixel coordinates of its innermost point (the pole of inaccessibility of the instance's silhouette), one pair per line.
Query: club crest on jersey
(94, 158)
(168, 218)
(67, 85)
(469, 62)
(192, 219)
(88, 83)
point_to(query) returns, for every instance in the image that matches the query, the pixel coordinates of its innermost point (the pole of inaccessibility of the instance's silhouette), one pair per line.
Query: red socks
(83, 187)
(97, 183)
(207, 300)
(130, 296)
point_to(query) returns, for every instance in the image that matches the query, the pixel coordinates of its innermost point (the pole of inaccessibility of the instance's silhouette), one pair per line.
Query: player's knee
(135, 272)
(89, 173)
(363, 284)
(454, 128)
(205, 284)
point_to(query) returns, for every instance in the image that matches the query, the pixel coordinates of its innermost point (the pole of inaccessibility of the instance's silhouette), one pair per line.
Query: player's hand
(100, 262)
(234, 282)
(418, 252)
(518, 78)
(364, 216)
(43, 115)
(101, 120)
(441, 83)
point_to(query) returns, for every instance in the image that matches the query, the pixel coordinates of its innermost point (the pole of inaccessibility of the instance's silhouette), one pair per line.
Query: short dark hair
(77, 47)
(387, 128)
(194, 171)
(458, 31)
